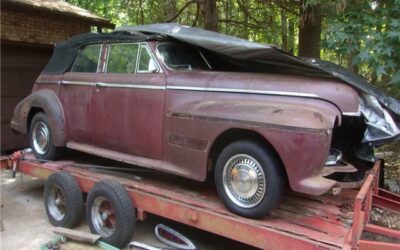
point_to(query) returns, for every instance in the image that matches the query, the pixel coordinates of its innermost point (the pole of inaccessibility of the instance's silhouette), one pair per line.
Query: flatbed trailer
(300, 222)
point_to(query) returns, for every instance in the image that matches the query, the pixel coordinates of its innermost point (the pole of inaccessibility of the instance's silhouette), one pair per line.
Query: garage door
(20, 66)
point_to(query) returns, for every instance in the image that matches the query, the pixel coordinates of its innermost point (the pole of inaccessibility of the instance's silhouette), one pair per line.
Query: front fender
(299, 129)
(47, 101)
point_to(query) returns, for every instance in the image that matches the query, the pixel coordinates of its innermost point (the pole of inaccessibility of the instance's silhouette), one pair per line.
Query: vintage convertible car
(193, 102)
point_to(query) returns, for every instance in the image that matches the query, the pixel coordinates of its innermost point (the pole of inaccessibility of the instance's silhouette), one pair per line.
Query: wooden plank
(77, 235)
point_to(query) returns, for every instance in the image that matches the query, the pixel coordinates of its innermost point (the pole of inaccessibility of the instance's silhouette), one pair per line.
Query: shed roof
(57, 7)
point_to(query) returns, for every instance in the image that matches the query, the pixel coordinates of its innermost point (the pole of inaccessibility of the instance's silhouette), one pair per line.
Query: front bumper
(318, 185)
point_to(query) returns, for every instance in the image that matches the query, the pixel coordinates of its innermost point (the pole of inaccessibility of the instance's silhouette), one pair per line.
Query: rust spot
(276, 111)
(41, 173)
(187, 142)
(346, 207)
(318, 116)
(192, 215)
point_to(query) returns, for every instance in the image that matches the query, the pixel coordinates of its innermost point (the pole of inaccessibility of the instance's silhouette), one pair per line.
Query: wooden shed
(29, 30)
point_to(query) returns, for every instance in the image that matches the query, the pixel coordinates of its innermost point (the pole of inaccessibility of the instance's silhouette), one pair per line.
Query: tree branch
(181, 10)
(248, 13)
(239, 23)
(291, 6)
(197, 14)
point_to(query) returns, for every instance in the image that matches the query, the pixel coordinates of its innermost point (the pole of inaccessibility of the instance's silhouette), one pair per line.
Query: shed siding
(20, 66)
(22, 27)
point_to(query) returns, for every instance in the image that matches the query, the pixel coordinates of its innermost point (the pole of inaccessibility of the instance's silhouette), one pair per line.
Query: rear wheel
(41, 138)
(249, 179)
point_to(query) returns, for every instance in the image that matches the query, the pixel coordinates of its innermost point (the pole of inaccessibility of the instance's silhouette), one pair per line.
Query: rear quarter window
(87, 59)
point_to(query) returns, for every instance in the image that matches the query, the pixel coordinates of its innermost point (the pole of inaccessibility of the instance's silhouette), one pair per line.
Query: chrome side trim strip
(358, 113)
(244, 91)
(78, 83)
(221, 90)
(127, 85)
(48, 82)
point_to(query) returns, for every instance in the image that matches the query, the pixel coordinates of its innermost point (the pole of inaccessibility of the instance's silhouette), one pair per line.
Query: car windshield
(182, 57)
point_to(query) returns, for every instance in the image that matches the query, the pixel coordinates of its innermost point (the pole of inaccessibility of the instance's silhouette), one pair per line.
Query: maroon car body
(179, 121)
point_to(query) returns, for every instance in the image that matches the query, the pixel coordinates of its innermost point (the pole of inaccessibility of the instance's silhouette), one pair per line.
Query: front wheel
(249, 179)
(41, 138)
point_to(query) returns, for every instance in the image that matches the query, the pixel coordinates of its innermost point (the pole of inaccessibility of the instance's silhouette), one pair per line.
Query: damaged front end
(381, 127)
(353, 143)
(376, 123)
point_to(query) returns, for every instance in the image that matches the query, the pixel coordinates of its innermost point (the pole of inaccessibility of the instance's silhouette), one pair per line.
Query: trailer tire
(110, 213)
(249, 179)
(63, 200)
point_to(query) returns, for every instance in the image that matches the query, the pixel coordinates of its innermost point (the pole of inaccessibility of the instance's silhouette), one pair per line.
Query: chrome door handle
(99, 84)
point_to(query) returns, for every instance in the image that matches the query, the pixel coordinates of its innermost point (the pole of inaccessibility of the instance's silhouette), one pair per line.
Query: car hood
(344, 97)
(374, 103)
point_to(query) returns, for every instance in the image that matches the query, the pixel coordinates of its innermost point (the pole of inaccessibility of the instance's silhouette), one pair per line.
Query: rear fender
(48, 101)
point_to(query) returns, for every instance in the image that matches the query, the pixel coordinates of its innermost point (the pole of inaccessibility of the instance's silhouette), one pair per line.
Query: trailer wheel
(110, 213)
(41, 138)
(249, 179)
(63, 200)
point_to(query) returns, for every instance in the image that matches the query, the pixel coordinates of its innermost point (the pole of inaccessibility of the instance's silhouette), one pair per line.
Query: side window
(122, 58)
(87, 59)
(147, 64)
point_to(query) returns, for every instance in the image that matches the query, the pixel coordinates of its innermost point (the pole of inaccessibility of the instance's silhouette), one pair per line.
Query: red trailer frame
(300, 222)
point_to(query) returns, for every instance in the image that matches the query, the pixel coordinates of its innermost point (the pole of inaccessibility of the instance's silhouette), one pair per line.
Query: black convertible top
(65, 52)
(250, 56)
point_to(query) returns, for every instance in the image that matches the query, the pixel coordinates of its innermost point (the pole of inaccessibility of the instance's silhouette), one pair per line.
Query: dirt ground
(391, 155)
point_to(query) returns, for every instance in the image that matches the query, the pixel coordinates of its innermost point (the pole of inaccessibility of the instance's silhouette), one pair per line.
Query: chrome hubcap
(103, 218)
(244, 181)
(41, 138)
(56, 203)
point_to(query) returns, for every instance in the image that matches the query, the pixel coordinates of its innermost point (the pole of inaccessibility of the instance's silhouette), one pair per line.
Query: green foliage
(367, 34)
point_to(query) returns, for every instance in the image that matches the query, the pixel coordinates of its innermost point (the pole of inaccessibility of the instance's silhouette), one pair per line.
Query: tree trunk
(141, 14)
(209, 14)
(284, 32)
(350, 57)
(291, 36)
(310, 31)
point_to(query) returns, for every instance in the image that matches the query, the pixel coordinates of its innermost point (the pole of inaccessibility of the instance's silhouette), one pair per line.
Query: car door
(76, 94)
(129, 102)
